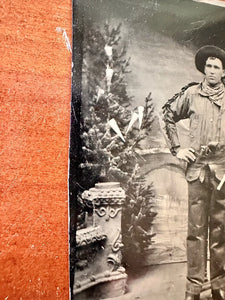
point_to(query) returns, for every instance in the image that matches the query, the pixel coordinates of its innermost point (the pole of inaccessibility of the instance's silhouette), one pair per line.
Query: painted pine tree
(112, 131)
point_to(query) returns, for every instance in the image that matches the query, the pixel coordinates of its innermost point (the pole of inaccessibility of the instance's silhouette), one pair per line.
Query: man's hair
(212, 57)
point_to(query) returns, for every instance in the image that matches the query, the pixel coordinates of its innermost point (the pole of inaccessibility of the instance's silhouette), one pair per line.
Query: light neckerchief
(215, 93)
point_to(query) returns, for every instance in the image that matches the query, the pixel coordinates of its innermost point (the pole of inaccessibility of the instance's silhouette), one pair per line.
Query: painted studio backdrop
(128, 194)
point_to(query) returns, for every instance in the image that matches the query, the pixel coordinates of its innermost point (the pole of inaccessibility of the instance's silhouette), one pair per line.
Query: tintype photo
(147, 160)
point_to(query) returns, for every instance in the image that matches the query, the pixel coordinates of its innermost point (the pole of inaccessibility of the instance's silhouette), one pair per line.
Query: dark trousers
(206, 213)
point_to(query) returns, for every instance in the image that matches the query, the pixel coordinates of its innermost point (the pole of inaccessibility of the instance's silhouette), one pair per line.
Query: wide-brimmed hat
(208, 51)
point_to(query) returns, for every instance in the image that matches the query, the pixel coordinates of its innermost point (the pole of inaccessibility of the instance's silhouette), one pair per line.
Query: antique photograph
(147, 150)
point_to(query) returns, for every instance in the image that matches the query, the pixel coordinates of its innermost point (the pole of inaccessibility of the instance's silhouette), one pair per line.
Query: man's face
(213, 71)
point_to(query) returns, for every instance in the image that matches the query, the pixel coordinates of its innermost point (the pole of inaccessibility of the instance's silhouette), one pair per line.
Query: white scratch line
(65, 36)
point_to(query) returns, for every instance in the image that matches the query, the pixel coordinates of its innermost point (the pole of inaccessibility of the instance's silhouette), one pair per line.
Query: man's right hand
(186, 154)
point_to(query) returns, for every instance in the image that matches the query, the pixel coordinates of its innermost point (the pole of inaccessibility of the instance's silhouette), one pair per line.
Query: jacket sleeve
(174, 110)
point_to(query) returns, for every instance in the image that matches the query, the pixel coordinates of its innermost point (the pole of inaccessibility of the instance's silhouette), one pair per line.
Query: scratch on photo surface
(65, 37)
(198, 24)
(74, 113)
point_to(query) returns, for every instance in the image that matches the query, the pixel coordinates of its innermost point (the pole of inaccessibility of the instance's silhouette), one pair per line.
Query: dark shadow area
(75, 144)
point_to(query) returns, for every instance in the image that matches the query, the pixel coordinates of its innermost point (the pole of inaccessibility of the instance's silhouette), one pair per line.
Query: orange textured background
(35, 76)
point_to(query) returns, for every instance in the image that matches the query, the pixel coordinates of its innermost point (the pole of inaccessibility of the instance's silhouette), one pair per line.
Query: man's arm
(176, 109)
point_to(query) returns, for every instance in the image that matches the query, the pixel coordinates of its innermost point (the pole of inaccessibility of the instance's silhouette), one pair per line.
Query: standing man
(204, 105)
